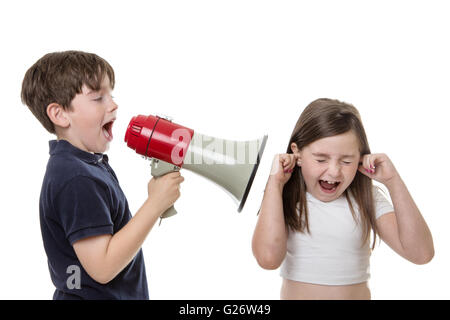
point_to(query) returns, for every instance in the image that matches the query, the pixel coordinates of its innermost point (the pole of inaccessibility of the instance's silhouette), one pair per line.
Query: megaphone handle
(160, 168)
(169, 212)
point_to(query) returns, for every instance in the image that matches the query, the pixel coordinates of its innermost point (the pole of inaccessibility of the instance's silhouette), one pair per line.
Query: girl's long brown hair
(325, 118)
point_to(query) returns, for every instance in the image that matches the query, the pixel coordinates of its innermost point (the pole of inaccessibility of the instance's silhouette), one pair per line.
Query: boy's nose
(113, 106)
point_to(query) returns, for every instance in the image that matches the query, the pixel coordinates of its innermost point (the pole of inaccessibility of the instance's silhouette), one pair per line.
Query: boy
(92, 242)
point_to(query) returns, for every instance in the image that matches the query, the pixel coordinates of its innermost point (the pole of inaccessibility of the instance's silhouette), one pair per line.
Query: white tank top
(333, 253)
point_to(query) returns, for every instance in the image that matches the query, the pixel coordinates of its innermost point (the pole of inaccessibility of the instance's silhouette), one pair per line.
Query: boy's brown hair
(57, 77)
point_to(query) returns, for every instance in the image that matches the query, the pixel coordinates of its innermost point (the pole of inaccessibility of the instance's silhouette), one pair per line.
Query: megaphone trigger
(160, 168)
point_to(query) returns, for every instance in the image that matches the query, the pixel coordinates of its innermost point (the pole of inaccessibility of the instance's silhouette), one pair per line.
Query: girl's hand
(282, 167)
(378, 167)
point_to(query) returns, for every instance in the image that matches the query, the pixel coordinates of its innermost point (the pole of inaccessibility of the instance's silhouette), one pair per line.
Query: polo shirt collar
(64, 146)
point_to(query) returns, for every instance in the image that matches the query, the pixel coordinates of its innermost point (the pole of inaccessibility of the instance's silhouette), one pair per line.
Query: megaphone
(230, 164)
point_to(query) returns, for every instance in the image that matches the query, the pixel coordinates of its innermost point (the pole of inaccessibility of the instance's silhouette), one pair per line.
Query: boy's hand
(378, 167)
(282, 167)
(165, 190)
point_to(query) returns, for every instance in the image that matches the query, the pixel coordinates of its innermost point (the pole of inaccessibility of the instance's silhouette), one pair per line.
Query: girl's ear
(57, 115)
(296, 153)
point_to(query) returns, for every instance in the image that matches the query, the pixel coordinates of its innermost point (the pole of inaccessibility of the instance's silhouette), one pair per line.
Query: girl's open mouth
(328, 186)
(107, 131)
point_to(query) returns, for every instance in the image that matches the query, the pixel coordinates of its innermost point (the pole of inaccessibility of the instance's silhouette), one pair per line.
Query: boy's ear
(57, 115)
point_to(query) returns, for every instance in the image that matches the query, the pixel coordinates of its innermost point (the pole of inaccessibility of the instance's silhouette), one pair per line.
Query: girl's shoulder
(382, 202)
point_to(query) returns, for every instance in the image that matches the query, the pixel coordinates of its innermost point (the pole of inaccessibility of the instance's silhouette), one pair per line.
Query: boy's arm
(105, 256)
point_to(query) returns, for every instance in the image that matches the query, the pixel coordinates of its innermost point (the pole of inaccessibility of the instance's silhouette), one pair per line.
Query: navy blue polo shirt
(80, 198)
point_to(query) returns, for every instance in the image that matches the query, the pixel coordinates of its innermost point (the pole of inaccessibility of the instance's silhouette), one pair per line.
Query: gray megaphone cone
(230, 164)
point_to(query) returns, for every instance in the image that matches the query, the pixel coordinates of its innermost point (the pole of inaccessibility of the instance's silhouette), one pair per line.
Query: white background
(235, 70)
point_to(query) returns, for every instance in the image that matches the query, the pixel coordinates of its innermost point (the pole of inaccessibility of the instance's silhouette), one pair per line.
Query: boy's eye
(346, 162)
(320, 161)
(100, 98)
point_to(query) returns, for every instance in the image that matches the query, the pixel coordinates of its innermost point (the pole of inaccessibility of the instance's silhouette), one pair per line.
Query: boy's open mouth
(329, 186)
(107, 130)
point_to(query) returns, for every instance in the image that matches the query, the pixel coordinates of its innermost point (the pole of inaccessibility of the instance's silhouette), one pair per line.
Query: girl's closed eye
(320, 160)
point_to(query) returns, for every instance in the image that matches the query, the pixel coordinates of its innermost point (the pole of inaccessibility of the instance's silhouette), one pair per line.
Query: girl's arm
(405, 230)
(270, 235)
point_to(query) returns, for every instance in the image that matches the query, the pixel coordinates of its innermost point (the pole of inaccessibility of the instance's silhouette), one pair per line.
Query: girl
(320, 207)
